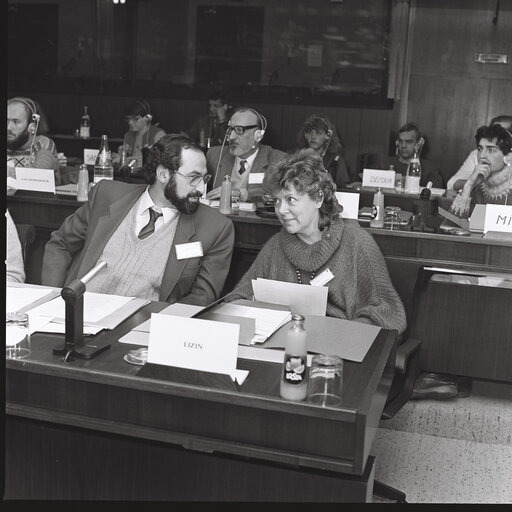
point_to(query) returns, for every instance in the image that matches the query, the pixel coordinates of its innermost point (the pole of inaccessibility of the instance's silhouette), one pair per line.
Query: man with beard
(246, 155)
(158, 241)
(26, 146)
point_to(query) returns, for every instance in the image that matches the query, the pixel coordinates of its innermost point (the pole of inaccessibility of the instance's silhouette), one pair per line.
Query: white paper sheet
(176, 309)
(96, 306)
(20, 297)
(302, 299)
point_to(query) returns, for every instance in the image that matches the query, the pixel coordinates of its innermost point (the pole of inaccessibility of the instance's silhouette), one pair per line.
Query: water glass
(235, 201)
(17, 336)
(325, 380)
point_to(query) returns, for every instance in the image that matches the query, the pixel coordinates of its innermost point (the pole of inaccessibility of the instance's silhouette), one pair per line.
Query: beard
(183, 204)
(19, 141)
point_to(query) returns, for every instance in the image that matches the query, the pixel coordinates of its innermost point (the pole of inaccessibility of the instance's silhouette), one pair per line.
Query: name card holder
(375, 178)
(498, 218)
(31, 179)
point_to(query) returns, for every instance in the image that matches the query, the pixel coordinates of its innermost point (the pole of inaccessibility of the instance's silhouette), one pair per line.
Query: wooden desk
(74, 147)
(96, 430)
(447, 331)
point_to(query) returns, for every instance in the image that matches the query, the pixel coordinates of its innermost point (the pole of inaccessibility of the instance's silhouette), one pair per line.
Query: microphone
(220, 157)
(73, 295)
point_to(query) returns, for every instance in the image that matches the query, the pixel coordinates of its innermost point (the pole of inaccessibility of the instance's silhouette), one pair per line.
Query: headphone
(34, 116)
(145, 105)
(258, 134)
(328, 131)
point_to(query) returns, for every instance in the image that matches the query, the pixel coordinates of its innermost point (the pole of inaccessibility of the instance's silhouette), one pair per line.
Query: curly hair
(167, 153)
(304, 170)
(497, 133)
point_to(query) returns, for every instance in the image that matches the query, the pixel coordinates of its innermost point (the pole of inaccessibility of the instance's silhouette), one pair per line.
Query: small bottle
(202, 138)
(83, 183)
(85, 125)
(377, 220)
(412, 180)
(225, 196)
(294, 384)
(103, 168)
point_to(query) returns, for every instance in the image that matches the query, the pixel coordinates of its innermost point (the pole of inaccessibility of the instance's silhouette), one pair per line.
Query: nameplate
(255, 178)
(190, 250)
(350, 203)
(90, 156)
(193, 343)
(498, 218)
(378, 178)
(31, 178)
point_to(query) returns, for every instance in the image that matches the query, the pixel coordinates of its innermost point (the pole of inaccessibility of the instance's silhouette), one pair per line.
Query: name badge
(378, 178)
(191, 250)
(256, 178)
(90, 156)
(322, 278)
(31, 178)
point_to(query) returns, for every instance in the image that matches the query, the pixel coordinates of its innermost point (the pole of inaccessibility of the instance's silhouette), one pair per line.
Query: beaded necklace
(299, 276)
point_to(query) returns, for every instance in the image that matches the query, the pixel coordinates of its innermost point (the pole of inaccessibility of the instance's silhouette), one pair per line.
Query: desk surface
(200, 413)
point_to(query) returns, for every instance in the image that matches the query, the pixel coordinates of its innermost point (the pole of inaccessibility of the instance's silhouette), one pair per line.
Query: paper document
(267, 320)
(176, 309)
(96, 306)
(302, 299)
(21, 297)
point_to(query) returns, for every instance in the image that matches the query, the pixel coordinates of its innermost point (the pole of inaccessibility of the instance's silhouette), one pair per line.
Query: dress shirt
(142, 216)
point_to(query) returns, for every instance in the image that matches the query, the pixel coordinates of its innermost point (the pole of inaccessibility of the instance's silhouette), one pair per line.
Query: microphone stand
(73, 296)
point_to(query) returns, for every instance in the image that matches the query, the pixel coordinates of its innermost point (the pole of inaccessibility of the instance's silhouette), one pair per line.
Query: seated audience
(314, 238)
(27, 146)
(14, 266)
(138, 229)
(319, 133)
(491, 179)
(210, 130)
(409, 141)
(141, 132)
(471, 161)
(245, 155)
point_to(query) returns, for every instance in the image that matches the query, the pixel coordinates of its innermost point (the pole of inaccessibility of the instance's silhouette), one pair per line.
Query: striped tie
(149, 228)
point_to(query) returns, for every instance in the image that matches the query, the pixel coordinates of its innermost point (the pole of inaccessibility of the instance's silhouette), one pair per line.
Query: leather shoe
(429, 380)
(439, 392)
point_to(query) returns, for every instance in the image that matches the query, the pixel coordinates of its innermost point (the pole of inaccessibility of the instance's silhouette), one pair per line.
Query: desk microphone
(220, 157)
(73, 295)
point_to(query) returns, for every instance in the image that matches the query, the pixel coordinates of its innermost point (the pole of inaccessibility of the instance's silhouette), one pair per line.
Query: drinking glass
(235, 201)
(17, 336)
(325, 380)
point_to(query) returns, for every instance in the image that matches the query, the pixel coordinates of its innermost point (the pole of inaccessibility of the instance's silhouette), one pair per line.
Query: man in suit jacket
(245, 156)
(185, 251)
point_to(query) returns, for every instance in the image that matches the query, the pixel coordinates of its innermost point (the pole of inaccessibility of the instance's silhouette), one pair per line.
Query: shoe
(429, 380)
(438, 392)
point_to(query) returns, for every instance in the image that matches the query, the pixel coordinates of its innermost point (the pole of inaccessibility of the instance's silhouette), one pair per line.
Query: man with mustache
(245, 156)
(159, 241)
(26, 144)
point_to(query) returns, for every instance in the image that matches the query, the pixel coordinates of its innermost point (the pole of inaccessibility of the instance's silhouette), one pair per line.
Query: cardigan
(361, 289)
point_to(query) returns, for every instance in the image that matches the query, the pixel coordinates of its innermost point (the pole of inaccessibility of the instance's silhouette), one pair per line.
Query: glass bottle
(377, 220)
(103, 168)
(412, 180)
(83, 183)
(85, 125)
(225, 196)
(294, 374)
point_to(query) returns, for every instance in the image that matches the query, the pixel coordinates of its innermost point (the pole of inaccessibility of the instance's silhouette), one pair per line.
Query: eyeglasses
(239, 129)
(194, 181)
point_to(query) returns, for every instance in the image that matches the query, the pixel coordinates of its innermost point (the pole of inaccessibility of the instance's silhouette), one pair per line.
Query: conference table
(452, 320)
(104, 429)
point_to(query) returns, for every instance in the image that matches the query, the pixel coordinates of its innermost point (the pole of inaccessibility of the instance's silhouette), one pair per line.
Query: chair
(409, 279)
(27, 236)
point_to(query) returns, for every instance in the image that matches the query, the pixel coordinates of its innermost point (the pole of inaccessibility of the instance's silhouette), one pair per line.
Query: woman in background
(319, 133)
(314, 238)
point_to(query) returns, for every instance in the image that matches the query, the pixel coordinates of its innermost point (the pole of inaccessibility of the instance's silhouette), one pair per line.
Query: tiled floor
(450, 451)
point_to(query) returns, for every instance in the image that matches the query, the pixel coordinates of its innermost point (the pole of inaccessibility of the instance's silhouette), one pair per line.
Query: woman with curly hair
(314, 238)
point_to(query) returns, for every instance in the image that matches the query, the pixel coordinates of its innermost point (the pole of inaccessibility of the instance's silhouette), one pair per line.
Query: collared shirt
(142, 214)
(248, 162)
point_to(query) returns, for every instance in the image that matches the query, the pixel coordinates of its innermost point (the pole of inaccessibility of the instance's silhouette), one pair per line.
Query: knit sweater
(361, 289)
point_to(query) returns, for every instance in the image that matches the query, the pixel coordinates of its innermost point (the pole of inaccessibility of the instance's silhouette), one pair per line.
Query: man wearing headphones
(158, 241)
(246, 159)
(26, 144)
(141, 132)
(409, 141)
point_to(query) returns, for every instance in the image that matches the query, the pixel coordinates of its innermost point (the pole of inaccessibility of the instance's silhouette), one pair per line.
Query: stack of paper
(267, 321)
